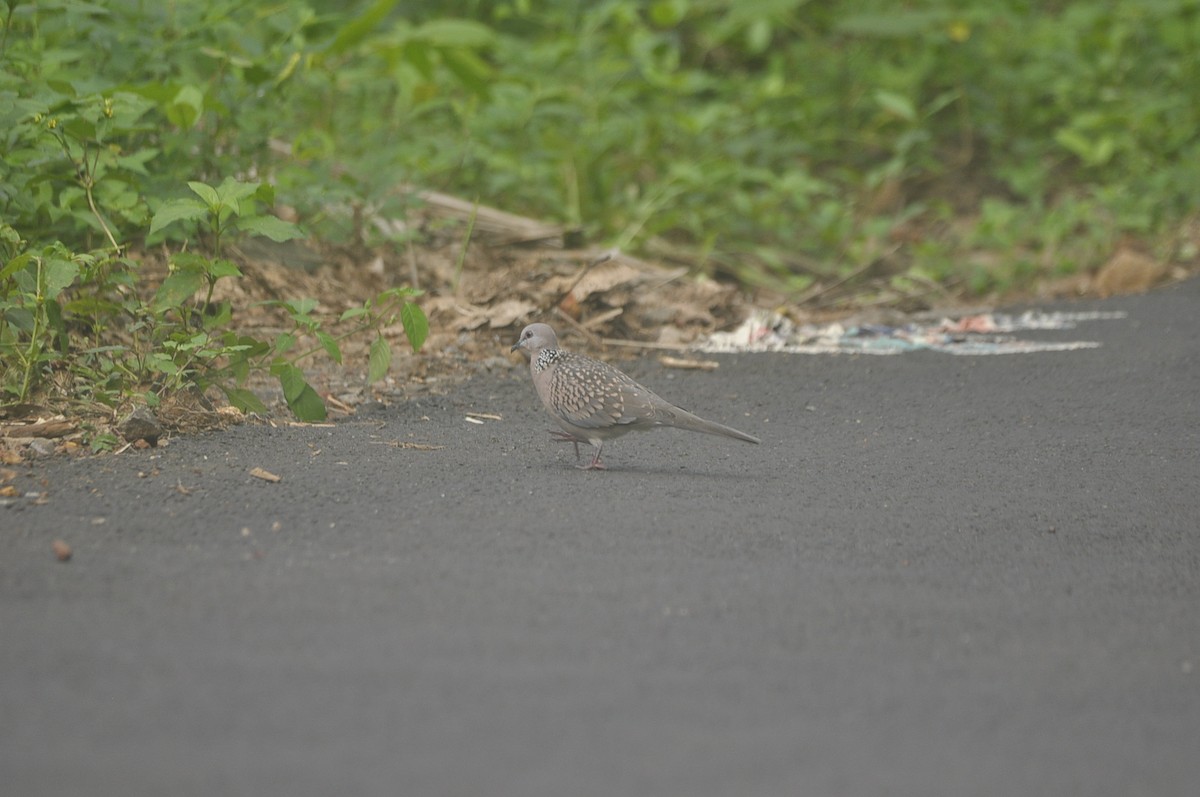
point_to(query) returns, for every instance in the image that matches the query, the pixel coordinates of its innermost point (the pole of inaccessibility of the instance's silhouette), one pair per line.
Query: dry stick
(412, 265)
(577, 326)
(858, 272)
(607, 315)
(462, 257)
(604, 258)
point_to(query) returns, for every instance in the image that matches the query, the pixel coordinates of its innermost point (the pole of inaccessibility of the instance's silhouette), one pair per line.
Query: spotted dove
(593, 401)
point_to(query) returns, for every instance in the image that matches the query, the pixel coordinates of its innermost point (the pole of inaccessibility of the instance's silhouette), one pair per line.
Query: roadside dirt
(477, 296)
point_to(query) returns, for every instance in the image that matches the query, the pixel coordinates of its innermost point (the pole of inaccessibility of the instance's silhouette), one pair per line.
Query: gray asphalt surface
(937, 575)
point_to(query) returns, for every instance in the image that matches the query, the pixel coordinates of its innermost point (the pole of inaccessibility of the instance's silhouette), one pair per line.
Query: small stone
(140, 424)
(62, 551)
(41, 447)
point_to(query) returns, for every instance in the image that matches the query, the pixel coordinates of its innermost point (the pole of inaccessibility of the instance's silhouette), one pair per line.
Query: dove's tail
(682, 419)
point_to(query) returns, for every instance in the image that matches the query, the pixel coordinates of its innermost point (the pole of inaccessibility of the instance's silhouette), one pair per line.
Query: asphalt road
(937, 575)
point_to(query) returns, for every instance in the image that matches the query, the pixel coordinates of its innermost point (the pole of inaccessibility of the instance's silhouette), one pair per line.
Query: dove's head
(535, 338)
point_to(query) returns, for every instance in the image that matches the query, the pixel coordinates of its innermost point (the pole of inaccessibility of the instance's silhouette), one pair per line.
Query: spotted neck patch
(544, 358)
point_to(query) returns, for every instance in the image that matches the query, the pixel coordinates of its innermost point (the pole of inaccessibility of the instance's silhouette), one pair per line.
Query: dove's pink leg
(595, 464)
(563, 437)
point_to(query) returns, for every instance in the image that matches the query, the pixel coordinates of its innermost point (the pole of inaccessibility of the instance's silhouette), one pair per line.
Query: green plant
(197, 348)
(33, 334)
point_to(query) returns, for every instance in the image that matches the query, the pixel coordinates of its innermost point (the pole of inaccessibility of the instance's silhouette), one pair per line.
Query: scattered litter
(62, 551)
(691, 365)
(340, 405)
(407, 444)
(469, 419)
(982, 333)
(265, 475)
(485, 416)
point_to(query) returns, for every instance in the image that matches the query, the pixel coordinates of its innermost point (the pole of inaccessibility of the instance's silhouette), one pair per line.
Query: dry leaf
(265, 475)
(506, 313)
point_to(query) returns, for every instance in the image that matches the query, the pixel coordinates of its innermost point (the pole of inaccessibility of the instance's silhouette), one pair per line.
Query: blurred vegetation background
(980, 144)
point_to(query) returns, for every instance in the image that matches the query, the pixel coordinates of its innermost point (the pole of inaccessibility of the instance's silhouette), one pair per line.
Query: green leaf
(379, 361)
(668, 13)
(456, 33)
(471, 70)
(358, 29)
(231, 192)
(330, 346)
(161, 363)
(223, 268)
(57, 274)
(416, 325)
(265, 193)
(185, 107)
(245, 400)
(105, 441)
(301, 307)
(174, 210)
(274, 228)
(20, 261)
(177, 288)
(303, 401)
(284, 342)
(896, 104)
(212, 200)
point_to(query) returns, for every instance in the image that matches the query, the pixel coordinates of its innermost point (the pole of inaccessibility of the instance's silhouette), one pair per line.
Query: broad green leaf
(265, 193)
(223, 268)
(162, 364)
(416, 325)
(379, 361)
(471, 70)
(231, 191)
(245, 400)
(20, 261)
(274, 228)
(330, 345)
(174, 210)
(301, 307)
(177, 288)
(284, 342)
(303, 401)
(895, 103)
(206, 192)
(668, 13)
(455, 33)
(358, 29)
(57, 274)
(80, 129)
(894, 24)
(218, 316)
(185, 107)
